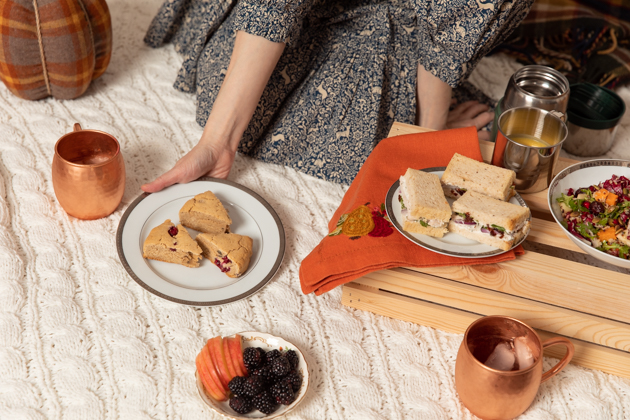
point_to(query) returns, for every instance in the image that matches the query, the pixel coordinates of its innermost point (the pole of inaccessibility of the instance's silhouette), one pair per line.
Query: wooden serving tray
(585, 303)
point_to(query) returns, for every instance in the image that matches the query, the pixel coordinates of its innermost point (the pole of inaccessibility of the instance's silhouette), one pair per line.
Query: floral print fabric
(348, 70)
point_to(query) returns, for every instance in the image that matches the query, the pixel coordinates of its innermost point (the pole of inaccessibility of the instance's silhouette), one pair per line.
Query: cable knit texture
(79, 339)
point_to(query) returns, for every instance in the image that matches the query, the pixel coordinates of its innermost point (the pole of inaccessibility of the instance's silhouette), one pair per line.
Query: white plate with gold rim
(451, 244)
(205, 285)
(267, 342)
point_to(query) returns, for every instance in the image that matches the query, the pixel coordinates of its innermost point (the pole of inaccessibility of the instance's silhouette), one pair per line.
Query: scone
(205, 213)
(172, 244)
(228, 251)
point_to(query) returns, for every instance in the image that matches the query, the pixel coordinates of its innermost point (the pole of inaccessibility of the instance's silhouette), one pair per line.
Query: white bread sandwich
(489, 221)
(465, 174)
(424, 207)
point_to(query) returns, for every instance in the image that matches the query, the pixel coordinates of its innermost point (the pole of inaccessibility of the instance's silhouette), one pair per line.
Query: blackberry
(264, 403)
(236, 385)
(280, 367)
(295, 379)
(263, 355)
(241, 405)
(283, 393)
(252, 358)
(253, 385)
(272, 355)
(265, 373)
(293, 358)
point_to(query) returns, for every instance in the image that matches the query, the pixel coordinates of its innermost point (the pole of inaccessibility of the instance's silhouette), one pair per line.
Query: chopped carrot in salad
(607, 234)
(600, 195)
(611, 199)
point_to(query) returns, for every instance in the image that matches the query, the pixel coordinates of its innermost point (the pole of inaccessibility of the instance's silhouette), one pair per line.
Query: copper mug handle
(77, 127)
(562, 363)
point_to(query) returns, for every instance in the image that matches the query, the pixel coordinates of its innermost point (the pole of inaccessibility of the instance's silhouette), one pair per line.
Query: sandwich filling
(453, 190)
(469, 223)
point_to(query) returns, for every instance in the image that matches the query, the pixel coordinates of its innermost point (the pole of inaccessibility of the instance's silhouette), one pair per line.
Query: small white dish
(205, 285)
(451, 244)
(267, 342)
(581, 175)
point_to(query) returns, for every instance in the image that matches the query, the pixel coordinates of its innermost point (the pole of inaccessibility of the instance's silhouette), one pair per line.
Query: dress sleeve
(456, 34)
(275, 20)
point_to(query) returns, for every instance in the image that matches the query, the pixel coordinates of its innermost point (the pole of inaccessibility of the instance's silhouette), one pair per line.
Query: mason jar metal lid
(538, 87)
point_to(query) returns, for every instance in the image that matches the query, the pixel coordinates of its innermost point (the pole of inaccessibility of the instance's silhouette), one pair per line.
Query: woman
(315, 84)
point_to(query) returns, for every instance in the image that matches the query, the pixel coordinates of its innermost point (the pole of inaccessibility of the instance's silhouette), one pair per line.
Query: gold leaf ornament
(358, 223)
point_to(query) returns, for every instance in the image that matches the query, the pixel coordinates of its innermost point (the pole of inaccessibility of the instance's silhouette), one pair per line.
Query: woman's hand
(471, 113)
(251, 64)
(209, 157)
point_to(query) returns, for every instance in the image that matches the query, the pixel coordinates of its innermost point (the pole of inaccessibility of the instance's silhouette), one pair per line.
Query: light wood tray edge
(453, 320)
(480, 300)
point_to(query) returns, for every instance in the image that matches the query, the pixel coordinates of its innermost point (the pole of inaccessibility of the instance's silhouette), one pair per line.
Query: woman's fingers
(467, 110)
(483, 135)
(481, 120)
(199, 161)
(462, 110)
(165, 180)
(470, 113)
(475, 110)
(181, 173)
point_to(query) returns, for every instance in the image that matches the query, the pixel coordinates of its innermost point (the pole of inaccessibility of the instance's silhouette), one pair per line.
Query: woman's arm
(251, 64)
(434, 100)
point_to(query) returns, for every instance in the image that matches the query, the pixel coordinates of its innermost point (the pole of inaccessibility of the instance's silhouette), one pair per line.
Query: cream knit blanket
(79, 339)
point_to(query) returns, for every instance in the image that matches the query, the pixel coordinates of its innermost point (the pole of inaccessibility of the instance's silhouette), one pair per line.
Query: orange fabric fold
(361, 239)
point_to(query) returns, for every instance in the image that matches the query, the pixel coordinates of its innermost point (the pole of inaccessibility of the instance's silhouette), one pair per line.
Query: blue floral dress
(347, 73)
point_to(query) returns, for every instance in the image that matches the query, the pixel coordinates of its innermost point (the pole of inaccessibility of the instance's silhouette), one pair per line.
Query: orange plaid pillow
(53, 47)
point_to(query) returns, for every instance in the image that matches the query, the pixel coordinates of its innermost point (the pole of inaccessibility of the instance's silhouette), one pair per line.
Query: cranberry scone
(172, 244)
(228, 251)
(205, 213)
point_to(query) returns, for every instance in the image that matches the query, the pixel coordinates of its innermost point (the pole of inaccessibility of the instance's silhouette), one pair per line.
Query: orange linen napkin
(361, 239)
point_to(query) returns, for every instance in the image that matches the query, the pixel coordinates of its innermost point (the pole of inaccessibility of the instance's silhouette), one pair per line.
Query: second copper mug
(88, 173)
(493, 394)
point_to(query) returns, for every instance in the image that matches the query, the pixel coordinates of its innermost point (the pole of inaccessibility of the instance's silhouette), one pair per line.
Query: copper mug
(88, 173)
(493, 394)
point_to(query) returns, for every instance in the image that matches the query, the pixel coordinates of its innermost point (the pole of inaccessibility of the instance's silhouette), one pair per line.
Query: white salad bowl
(581, 175)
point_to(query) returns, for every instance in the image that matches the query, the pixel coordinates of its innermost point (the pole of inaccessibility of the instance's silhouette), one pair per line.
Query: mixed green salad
(599, 214)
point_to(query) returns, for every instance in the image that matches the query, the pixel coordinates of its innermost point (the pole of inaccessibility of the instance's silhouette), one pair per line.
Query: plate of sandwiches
(205, 243)
(468, 209)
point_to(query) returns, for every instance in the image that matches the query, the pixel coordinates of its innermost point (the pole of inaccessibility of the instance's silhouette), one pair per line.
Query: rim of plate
(574, 168)
(390, 213)
(305, 379)
(259, 285)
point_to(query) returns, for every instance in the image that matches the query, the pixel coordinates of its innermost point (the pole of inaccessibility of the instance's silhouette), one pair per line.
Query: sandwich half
(465, 174)
(489, 221)
(424, 207)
